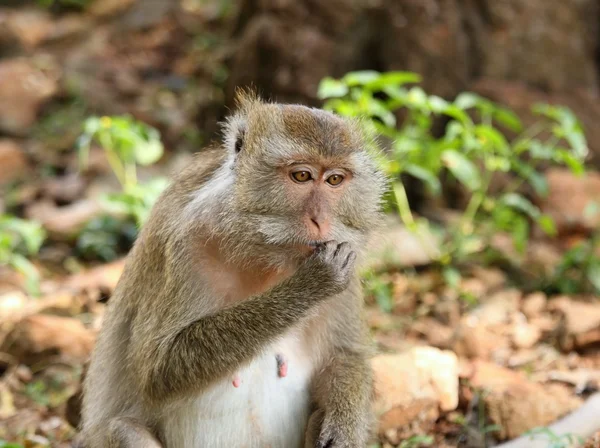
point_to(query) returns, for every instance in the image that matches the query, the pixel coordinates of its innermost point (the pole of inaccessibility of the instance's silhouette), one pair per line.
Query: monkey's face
(302, 176)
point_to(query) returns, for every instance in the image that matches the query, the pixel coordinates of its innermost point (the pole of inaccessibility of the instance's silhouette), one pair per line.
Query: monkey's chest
(265, 404)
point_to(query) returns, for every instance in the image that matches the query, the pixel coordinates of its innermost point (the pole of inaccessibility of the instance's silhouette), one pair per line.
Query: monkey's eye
(335, 179)
(301, 176)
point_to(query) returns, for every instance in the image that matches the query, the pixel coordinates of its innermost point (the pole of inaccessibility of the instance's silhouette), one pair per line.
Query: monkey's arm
(193, 357)
(342, 391)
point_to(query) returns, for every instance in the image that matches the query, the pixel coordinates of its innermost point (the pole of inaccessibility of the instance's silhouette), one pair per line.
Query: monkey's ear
(239, 141)
(234, 133)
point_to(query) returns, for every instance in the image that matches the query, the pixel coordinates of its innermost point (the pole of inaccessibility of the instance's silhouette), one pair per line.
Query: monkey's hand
(328, 270)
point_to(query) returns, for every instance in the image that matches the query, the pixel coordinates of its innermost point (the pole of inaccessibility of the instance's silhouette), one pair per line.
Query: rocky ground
(467, 366)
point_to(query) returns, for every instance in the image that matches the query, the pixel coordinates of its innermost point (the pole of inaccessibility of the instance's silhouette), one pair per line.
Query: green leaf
(489, 136)
(509, 119)
(591, 209)
(427, 176)
(496, 163)
(547, 224)
(467, 100)
(5, 444)
(521, 203)
(578, 143)
(462, 168)
(593, 274)
(536, 180)
(29, 271)
(391, 79)
(458, 114)
(417, 98)
(520, 233)
(437, 104)
(574, 164)
(452, 277)
(331, 88)
(147, 153)
(360, 77)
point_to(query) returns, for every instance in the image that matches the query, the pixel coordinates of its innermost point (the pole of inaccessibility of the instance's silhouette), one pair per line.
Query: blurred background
(481, 290)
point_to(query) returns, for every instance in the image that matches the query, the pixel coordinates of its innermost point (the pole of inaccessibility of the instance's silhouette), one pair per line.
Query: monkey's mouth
(308, 247)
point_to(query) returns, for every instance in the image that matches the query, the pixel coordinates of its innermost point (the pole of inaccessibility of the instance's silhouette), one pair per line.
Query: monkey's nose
(318, 228)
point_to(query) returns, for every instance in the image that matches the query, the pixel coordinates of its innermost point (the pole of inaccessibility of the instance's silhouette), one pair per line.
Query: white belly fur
(266, 411)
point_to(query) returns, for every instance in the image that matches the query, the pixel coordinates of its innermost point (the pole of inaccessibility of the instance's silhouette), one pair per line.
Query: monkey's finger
(341, 249)
(329, 248)
(350, 259)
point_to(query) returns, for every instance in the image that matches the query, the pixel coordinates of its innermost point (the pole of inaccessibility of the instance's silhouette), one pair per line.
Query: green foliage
(5, 444)
(579, 269)
(18, 239)
(554, 440)
(106, 237)
(380, 289)
(417, 442)
(127, 144)
(66, 4)
(470, 152)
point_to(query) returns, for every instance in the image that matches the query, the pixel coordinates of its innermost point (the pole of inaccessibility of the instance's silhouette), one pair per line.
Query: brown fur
(223, 270)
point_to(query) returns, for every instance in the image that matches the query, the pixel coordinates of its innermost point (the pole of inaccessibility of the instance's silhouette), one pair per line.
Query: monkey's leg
(343, 395)
(127, 433)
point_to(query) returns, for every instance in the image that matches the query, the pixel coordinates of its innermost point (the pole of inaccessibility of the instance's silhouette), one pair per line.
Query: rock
(25, 85)
(570, 198)
(65, 189)
(450, 43)
(498, 308)
(581, 323)
(492, 278)
(103, 277)
(413, 384)
(473, 339)
(593, 442)
(516, 404)
(512, 40)
(580, 316)
(396, 246)
(437, 334)
(525, 335)
(26, 28)
(107, 8)
(444, 48)
(12, 305)
(39, 336)
(534, 304)
(64, 222)
(12, 160)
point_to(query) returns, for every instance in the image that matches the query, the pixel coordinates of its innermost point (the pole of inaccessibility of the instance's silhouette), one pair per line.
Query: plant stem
(117, 167)
(403, 206)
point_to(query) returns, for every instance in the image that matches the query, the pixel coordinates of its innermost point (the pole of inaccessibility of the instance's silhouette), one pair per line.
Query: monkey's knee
(313, 429)
(128, 433)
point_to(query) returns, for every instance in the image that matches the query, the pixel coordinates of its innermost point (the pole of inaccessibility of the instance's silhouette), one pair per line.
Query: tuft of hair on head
(245, 98)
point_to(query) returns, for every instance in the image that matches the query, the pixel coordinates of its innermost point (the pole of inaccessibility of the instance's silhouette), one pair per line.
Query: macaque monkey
(245, 273)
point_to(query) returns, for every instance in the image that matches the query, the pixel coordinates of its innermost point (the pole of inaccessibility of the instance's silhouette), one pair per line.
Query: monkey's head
(301, 176)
